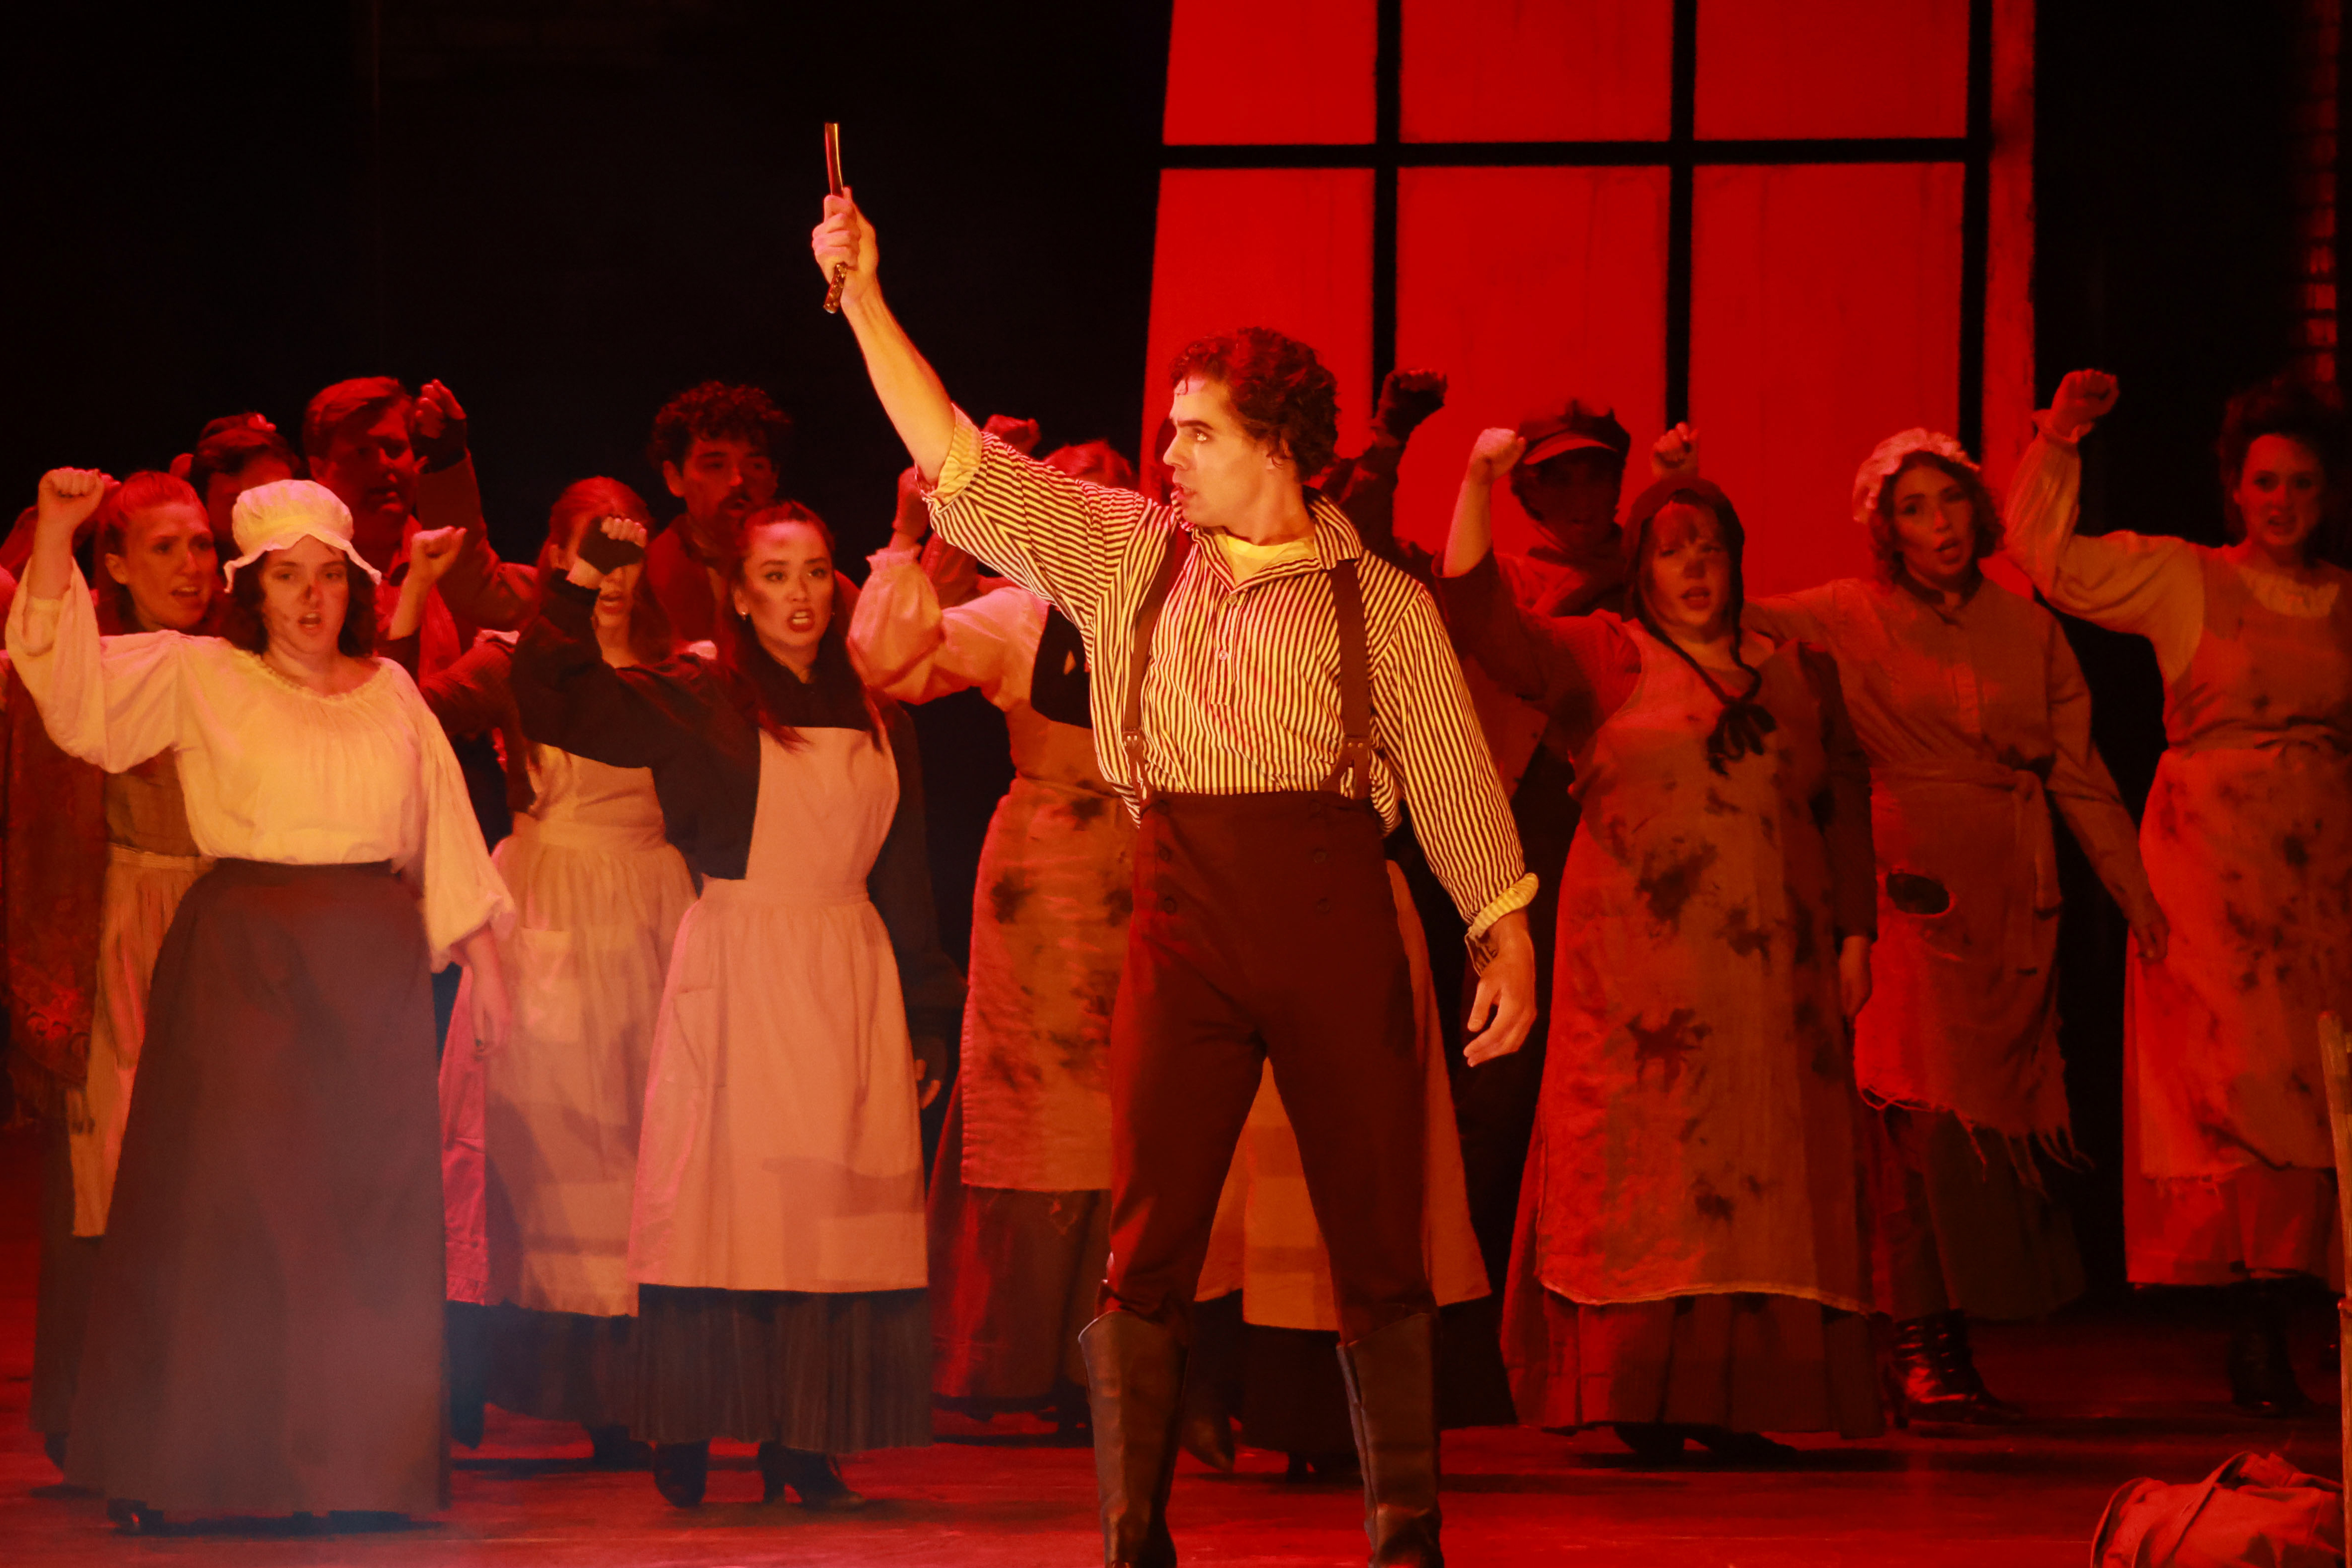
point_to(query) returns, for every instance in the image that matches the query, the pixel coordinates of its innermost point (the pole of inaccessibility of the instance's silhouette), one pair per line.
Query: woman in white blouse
(265, 1336)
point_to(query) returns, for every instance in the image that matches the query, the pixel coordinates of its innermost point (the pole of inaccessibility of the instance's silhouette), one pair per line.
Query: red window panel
(1832, 67)
(1826, 316)
(1526, 287)
(1564, 70)
(1286, 249)
(1270, 70)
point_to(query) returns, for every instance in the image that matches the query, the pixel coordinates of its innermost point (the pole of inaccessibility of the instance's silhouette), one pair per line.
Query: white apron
(539, 1140)
(780, 1149)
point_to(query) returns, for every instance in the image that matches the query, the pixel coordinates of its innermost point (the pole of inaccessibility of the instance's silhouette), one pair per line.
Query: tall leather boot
(1135, 1377)
(2262, 1373)
(1391, 1375)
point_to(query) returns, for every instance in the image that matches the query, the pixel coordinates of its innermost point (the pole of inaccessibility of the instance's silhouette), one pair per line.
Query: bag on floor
(2255, 1511)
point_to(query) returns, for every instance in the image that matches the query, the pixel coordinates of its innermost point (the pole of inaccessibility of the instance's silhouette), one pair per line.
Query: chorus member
(2247, 836)
(1691, 1261)
(235, 453)
(1020, 1202)
(1975, 716)
(1270, 698)
(718, 449)
(776, 1237)
(94, 866)
(400, 463)
(265, 1334)
(539, 1139)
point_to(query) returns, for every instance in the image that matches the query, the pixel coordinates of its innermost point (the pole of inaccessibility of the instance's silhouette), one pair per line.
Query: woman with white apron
(776, 1238)
(539, 1149)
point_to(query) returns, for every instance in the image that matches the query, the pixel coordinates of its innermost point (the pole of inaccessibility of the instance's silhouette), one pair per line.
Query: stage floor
(2124, 1390)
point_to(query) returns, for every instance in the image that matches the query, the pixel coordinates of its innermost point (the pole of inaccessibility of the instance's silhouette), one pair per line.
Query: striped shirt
(1242, 695)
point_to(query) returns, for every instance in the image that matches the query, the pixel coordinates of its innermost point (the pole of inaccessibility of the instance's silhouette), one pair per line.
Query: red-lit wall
(1824, 298)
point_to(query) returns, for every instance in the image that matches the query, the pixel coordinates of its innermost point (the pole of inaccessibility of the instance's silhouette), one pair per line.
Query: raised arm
(1056, 536)
(2086, 794)
(2148, 585)
(570, 698)
(114, 701)
(479, 588)
(910, 389)
(906, 645)
(1368, 494)
(1576, 669)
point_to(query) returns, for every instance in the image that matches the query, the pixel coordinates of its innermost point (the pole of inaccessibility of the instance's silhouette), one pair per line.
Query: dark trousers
(1264, 933)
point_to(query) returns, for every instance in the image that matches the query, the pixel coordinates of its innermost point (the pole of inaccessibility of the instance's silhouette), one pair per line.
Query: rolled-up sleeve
(1058, 537)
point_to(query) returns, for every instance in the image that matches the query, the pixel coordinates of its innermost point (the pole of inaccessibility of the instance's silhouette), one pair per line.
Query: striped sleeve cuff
(962, 462)
(1512, 899)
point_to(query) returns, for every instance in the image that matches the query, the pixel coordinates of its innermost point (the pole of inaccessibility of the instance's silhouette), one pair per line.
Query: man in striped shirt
(1268, 698)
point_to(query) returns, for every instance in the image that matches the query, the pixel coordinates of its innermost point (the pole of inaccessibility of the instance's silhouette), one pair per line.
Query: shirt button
(1322, 906)
(1167, 904)
(1319, 856)
(1166, 854)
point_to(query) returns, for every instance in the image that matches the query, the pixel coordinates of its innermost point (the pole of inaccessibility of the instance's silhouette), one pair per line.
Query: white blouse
(271, 771)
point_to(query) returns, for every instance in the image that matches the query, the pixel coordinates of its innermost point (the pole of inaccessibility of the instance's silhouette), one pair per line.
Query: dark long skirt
(556, 1366)
(1965, 1222)
(266, 1334)
(832, 1374)
(1750, 1361)
(1014, 1277)
(69, 1268)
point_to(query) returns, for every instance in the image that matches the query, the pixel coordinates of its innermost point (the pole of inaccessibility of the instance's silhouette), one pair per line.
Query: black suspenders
(1351, 775)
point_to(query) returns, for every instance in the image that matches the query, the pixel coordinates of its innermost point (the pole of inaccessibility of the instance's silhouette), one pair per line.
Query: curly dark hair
(716, 411)
(2310, 415)
(242, 625)
(1990, 530)
(1281, 392)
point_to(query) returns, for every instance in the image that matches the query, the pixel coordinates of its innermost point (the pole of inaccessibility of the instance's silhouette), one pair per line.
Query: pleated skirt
(833, 1374)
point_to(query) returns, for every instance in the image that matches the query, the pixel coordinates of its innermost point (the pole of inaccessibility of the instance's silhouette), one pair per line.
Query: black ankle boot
(680, 1471)
(1392, 1376)
(1203, 1430)
(612, 1448)
(1934, 1375)
(815, 1477)
(2262, 1373)
(1135, 1377)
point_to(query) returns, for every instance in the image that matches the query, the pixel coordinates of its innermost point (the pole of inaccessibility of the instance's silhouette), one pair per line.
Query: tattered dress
(2247, 837)
(1975, 717)
(1019, 1203)
(1692, 1245)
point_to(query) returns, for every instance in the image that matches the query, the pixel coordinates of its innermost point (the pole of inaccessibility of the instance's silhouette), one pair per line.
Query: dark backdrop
(569, 209)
